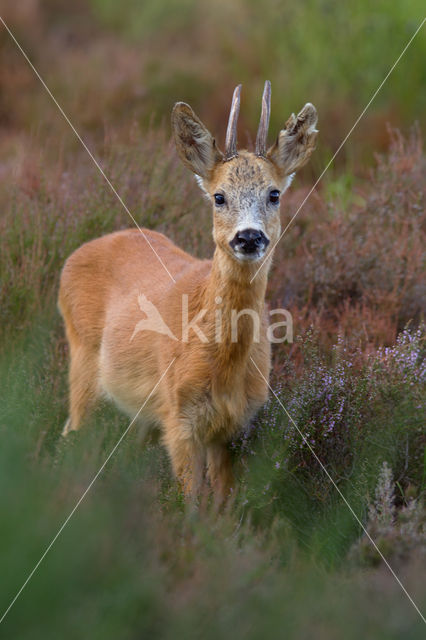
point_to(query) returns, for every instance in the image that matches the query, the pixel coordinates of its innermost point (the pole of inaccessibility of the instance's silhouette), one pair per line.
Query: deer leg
(188, 462)
(83, 386)
(219, 469)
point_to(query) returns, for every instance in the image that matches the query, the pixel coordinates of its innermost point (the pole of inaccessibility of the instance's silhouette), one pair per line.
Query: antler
(262, 132)
(231, 132)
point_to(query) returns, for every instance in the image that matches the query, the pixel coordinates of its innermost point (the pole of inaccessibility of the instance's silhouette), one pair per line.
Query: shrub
(351, 411)
(398, 534)
(360, 269)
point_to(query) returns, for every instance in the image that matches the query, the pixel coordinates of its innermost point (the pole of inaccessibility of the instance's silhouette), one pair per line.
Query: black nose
(249, 241)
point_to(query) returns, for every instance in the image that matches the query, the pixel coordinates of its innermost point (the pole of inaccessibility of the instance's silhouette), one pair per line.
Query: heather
(286, 557)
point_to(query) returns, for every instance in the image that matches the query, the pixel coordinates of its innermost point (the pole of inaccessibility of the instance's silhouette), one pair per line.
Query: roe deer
(212, 387)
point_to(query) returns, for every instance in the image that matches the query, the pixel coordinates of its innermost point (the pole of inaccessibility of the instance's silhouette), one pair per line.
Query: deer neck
(228, 293)
(230, 281)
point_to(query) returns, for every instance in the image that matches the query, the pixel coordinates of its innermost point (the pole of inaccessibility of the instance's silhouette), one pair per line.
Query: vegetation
(286, 558)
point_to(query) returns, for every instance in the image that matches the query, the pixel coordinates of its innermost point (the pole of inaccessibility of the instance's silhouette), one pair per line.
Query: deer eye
(274, 196)
(219, 199)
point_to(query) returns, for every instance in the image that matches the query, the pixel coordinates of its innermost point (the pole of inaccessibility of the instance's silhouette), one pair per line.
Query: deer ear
(296, 141)
(196, 146)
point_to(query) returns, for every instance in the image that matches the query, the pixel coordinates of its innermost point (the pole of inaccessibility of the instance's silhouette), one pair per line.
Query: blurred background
(110, 63)
(287, 559)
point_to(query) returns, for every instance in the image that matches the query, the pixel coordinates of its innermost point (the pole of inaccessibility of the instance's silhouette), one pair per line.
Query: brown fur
(212, 388)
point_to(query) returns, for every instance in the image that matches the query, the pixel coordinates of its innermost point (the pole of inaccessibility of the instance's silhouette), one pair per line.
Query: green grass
(134, 561)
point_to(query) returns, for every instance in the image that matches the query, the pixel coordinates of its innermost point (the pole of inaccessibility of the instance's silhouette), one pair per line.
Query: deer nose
(249, 241)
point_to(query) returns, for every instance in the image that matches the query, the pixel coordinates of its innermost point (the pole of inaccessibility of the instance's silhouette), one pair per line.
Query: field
(287, 558)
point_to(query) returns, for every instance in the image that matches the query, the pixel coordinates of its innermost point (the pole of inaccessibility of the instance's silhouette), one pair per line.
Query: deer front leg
(188, 460)
(220, 471)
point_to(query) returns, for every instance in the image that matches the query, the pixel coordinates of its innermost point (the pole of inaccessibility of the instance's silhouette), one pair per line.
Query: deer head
(245, 187)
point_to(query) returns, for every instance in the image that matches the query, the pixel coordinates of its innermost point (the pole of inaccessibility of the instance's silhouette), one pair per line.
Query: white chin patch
(249, 257)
